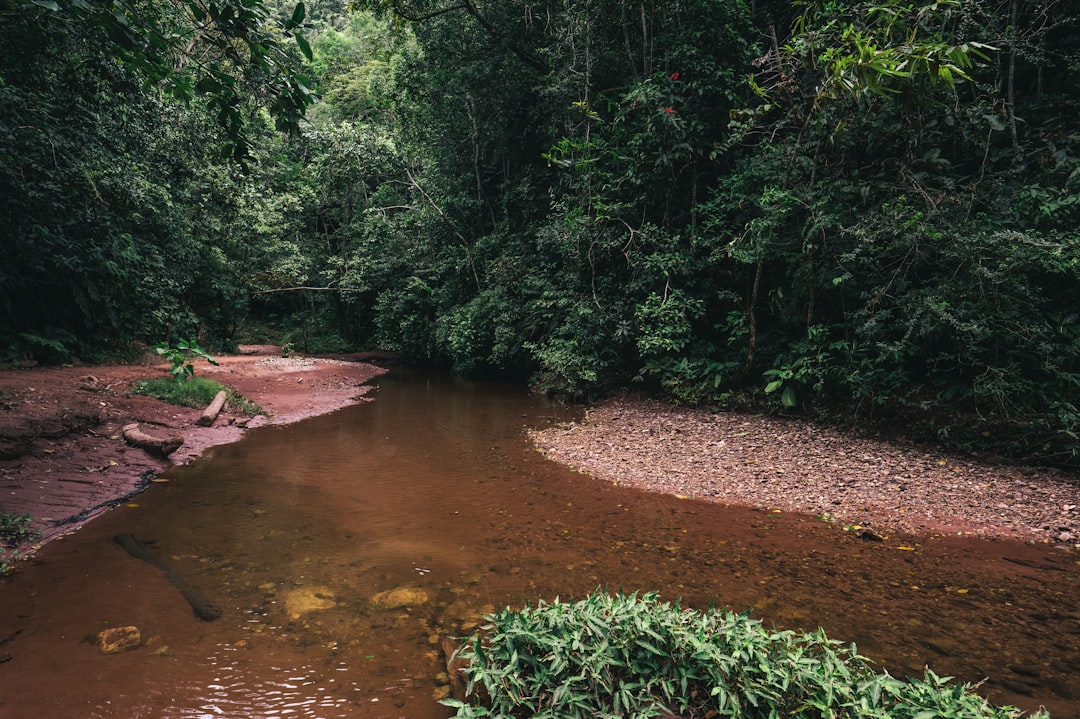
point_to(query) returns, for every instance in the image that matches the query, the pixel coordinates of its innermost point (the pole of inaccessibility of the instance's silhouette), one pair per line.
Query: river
(303, 533)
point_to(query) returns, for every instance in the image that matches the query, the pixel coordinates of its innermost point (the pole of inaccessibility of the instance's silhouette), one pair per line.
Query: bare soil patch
(791, 465)
(62, 458)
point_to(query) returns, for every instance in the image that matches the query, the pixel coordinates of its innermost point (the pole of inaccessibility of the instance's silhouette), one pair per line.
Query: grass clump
(194, 392)
(609, 657)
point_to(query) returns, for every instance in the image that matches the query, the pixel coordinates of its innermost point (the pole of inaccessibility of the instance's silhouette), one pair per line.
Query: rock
(1026, 670)
(1062, 687)
(944, 647)
(466, 614)
(305, 600)
(117, 639)
(1017, 687)
(455, 666)
(400, 597)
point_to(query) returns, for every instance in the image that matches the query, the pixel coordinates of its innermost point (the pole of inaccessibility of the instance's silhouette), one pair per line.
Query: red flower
(669, 110)
(674, 76)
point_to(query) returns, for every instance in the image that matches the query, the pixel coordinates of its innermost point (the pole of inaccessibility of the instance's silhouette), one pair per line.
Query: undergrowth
(612, 657)
(15, 530)
(194, 392)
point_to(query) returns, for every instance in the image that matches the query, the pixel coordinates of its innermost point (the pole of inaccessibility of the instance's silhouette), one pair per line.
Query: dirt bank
(61, 455)
(791, 465)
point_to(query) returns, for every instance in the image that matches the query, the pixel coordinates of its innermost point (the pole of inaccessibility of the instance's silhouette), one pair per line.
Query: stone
(400, 597)
(455, 668)
(940, 645)
(1062, 687)
(1026, 670)
(306, 600)
(466, 614)
(117, 639)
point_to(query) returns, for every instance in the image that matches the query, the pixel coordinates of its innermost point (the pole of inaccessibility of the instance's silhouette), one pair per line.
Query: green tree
(228, 52)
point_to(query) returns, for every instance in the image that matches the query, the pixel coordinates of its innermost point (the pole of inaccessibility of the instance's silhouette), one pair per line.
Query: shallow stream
(433, 490)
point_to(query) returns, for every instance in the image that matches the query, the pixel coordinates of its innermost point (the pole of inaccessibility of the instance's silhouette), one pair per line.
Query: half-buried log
(213, 410)
(160, 447)
(203, 607)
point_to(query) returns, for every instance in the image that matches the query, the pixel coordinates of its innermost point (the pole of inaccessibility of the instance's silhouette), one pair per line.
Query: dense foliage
(855, 209)
(631, 656)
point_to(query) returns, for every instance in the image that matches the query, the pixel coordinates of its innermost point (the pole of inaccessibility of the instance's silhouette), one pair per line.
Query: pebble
(969, 494)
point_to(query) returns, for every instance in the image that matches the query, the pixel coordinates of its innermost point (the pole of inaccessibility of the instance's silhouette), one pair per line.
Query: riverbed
(344, 549)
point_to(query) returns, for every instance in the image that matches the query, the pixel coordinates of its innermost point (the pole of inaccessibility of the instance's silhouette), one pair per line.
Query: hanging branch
(464, 242)
(310, 289)
(470, 7)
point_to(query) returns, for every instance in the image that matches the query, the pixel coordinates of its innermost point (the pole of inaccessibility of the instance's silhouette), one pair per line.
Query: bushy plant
(635, 656)
(182, 357)
(15, 528)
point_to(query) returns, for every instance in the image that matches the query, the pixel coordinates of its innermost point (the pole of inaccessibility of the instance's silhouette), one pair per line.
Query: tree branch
(464, 242)
(311, 289)
(470, 7)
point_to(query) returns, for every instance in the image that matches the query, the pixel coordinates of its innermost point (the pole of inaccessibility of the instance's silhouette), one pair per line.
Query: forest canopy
(865, 210)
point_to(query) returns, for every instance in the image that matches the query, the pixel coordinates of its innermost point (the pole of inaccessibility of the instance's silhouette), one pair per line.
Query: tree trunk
(1010, 87)
(213, 410)
(752, 320)
(154, 445)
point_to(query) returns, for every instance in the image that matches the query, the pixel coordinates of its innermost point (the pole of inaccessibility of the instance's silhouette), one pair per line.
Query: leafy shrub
(15, 528)
(182, 357)
(633, 656)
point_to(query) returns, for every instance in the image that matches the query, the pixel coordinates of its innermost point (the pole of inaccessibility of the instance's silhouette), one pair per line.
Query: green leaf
(788, 398)
(773, 386)
(297, 18)
(207, 85)
(304, 47)
(47, 4)
(995, 122)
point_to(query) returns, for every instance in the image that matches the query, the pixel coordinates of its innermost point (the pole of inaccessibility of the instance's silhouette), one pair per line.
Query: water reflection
(345, 550)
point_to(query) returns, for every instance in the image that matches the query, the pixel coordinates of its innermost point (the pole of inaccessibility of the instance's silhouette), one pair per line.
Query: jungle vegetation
(860, 210)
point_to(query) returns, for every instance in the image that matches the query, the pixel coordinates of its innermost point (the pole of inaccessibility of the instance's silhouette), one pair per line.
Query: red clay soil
(62, 458)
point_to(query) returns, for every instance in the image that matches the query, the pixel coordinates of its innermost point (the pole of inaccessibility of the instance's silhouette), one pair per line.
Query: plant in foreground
(613, 657)
(182, 357)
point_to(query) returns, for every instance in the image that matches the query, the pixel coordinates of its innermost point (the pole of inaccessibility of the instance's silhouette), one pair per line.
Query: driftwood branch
(157, 446)
(213, 410)
(204, 609)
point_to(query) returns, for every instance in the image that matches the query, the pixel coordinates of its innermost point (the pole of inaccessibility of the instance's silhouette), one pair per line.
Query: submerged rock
(117, 639)
(305, 600)
(400, 597)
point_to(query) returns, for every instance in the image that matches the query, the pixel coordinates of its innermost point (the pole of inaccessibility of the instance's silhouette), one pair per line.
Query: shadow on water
(433, 491)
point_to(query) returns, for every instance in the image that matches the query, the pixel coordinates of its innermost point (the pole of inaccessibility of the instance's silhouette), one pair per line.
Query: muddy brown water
(434, 487)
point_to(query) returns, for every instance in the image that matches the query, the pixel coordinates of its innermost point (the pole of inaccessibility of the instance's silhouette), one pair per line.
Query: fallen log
(161, 447)
(213, 410)
(204, 609)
